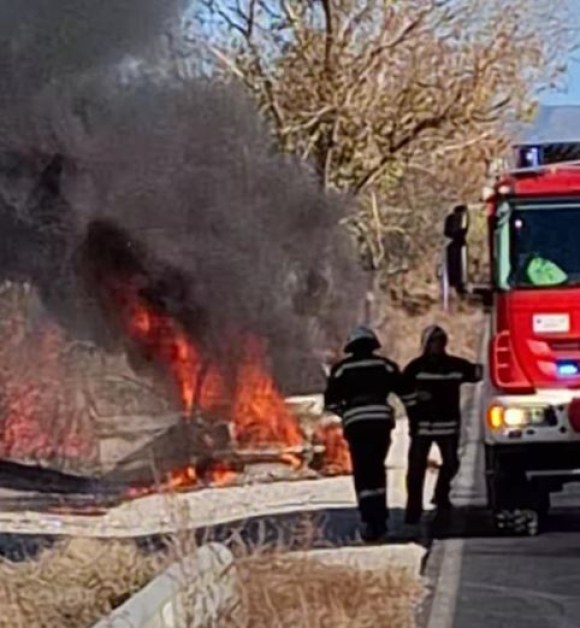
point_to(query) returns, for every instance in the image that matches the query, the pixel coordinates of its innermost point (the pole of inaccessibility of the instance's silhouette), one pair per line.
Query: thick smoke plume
(175, 181)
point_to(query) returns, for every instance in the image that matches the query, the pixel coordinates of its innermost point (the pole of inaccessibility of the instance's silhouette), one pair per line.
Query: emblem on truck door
(551, 323)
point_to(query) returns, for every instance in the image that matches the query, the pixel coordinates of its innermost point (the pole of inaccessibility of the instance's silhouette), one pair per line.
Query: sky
(571, 94)
(557, 118)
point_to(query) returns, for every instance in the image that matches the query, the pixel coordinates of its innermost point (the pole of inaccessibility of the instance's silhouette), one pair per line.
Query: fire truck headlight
(515, 417)
(499, 417)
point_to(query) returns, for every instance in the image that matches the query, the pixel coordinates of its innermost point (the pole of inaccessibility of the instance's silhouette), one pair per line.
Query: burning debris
(205, 440)
(161, 229)
(40, 420)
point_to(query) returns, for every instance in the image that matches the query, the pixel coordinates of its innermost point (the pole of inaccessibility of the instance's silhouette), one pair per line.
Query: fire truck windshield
(537, 244)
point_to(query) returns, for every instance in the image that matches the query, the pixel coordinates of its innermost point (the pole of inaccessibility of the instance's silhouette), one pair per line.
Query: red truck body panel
(556, 182)
(523, 359)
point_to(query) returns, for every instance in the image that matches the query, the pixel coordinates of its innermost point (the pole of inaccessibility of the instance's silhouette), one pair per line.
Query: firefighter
(357, 390)
(435, 417)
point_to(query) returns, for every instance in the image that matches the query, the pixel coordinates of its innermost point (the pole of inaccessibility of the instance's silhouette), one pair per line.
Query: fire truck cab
(531, 428)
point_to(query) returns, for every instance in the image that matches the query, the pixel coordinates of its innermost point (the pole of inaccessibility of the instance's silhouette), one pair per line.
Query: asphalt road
(483, 580)
(522, 582)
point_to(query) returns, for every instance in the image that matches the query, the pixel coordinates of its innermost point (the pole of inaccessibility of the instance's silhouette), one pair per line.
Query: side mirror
(484, 295)
(455, 258)
(456, 265)
(457, 223)
(456, 227)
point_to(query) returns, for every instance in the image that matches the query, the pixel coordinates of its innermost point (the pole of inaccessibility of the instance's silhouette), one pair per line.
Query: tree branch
(329, 34)
(420, 127)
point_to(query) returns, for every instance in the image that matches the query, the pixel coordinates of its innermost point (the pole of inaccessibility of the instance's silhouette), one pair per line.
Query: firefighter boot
(373, 532)
(414, 509)
(413, 516)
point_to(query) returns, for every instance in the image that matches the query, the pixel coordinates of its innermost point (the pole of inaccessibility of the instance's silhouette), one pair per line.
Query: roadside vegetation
(282, 591)
(72, 584)
(77, 582)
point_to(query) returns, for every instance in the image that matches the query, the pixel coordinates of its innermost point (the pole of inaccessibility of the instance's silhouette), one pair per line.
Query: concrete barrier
(407, 557)
(193, 592)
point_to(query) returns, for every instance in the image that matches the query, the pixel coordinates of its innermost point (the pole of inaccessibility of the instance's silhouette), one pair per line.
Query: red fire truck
(532, 423)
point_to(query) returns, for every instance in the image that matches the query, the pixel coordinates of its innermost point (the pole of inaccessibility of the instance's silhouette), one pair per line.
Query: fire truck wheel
(518, 507)
(522, 519)
(517, 522)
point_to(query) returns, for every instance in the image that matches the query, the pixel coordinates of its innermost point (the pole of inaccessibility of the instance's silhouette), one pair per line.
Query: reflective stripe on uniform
(409, 400)
(437, 428)
(363, 364)
(366, 417)
(441, 432)
(439, 376)
(369, 409)
(374, 492)
(429, 424)
(371, 412)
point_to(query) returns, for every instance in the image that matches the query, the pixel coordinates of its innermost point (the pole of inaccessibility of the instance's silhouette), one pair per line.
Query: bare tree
(378, 93)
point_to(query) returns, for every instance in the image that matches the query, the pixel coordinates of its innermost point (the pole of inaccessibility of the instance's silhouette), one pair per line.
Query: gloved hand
(335, 408)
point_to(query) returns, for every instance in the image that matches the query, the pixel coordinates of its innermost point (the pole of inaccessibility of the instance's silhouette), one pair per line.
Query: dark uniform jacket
(358, 388)
(436, 381)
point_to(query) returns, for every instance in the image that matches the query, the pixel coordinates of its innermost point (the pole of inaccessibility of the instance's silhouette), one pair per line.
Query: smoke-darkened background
(183, 177)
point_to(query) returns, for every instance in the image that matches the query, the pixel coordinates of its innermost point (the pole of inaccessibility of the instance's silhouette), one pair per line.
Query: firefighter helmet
(433, 333)
(362, 336)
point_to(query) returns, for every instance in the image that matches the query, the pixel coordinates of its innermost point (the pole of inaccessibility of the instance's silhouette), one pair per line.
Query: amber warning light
(499, 417)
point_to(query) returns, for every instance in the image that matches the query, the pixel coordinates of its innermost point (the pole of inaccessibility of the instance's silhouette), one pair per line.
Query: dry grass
(78, 582)
(73, 584)
(287, 592)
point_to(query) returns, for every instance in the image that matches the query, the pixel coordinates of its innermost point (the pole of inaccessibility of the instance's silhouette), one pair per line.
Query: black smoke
(176, 181)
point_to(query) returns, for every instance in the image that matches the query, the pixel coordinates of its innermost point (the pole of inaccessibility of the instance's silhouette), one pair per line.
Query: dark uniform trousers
(369, 443)
(417, 467)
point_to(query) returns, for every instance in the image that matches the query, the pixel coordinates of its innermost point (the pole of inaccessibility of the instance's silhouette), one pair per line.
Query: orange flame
(252, 402)
(259, 412)
(163, 340)
(257, 409)
(336, 459)
(216, 475)
(38, 422)
(220, 475)
(38, 419)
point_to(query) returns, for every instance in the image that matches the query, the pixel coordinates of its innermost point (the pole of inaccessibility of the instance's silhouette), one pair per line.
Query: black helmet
(362, 337)
(431, 333)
